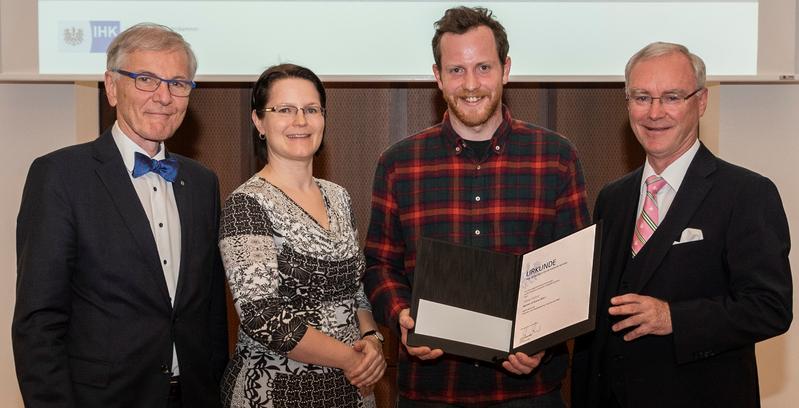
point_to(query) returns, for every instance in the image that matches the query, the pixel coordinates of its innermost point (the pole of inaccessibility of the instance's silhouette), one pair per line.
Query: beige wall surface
(34, 119)
(758, 130)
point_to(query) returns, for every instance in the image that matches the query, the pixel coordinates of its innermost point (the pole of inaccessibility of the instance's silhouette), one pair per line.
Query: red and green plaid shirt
(528, 191)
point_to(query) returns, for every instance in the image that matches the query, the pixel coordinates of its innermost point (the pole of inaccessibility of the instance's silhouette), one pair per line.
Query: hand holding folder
(489, 306)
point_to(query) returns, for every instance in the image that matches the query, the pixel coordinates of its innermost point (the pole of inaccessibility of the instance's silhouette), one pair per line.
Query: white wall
(34, 119)
(759, 130)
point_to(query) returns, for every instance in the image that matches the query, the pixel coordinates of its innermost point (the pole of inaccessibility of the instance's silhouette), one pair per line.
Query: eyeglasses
(290, 111)
(667, 100)
(150, 82)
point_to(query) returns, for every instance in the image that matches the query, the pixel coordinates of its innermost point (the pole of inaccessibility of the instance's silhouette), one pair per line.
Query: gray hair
(659, 49)
(148, 37)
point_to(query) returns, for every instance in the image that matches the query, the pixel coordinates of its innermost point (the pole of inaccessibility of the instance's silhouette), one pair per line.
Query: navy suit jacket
(725, 292)
(93, 324)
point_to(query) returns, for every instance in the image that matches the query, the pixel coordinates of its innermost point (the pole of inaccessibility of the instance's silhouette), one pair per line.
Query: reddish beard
(473, 119)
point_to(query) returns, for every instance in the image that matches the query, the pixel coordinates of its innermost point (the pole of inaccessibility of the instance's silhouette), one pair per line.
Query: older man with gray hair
(120, 287)
(694, 268)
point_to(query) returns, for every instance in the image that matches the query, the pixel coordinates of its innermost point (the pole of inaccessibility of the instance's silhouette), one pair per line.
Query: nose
(470, 82)
(162, 94)
(656, 110)
(299, 118)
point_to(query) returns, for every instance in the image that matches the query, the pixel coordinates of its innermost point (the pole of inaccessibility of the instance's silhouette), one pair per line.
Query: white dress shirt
(674, 175)
(158, 199)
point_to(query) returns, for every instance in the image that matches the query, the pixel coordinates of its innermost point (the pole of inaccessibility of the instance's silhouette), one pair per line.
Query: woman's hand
(368, 365)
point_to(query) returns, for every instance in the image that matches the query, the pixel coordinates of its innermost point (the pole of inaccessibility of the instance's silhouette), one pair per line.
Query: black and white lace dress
(286, 273)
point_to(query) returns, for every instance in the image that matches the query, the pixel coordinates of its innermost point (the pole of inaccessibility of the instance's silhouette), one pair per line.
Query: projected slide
(391, 39)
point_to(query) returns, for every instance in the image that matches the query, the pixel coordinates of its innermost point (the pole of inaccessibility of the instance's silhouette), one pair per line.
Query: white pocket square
(689, 235)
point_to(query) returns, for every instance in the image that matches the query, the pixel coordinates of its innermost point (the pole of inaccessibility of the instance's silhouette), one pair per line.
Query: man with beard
(479, 178)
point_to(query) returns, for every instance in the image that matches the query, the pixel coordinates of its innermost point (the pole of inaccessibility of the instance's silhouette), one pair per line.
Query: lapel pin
(182, 183)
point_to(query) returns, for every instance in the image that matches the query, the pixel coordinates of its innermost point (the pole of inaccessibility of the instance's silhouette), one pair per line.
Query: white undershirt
(674, 175)
(158, 199)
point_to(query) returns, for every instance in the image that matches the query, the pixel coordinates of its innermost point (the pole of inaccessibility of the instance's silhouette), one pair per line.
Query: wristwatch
(376, 335)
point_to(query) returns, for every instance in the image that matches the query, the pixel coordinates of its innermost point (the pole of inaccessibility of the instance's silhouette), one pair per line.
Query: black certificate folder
(485, 305)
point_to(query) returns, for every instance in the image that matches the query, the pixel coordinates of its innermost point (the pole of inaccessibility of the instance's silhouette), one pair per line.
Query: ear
(257, 122)
(110, 88)
(437, 74)
(506, 71)
(703, 95)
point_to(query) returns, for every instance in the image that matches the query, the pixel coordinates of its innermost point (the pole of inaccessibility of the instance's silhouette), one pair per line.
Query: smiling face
(665, 133)
(291, 136)
(148, 118)
(471, 79)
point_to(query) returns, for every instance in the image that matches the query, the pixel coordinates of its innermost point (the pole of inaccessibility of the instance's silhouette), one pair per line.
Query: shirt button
(164, 261)
(477, 198)
(477, 232)
(497, 148)
(161, 224)
(155, 188)
(478, 167)
(458, 149)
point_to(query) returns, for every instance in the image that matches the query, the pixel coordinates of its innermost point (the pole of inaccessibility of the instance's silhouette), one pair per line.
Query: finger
(510, 367)
(359, 345)
(418, 351)
(524, 363)
(425, 353)
(530, 361)
(405, 319)
(625, 309)
(626, 298)
(628, 322)
(375, 374)
(638, 332)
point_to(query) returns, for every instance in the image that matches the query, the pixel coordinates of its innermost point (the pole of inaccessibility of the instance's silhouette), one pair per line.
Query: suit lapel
(185, 209)
(114, 176)
(693, 190)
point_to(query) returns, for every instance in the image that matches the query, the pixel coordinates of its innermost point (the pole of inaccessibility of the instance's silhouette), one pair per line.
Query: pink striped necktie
(648, 220)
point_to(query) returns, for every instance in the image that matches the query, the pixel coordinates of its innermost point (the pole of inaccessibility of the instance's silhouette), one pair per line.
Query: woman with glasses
(291, 254)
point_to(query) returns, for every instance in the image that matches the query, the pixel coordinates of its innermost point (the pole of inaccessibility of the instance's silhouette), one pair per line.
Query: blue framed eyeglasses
(150, 82)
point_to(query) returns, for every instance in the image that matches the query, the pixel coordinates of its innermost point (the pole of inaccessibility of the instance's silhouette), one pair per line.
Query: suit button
(165, 369)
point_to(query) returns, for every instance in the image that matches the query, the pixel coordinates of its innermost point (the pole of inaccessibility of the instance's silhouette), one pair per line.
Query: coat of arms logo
(73, 36)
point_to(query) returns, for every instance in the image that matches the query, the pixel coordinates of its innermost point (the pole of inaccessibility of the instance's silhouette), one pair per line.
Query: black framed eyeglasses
(150, 82)
(670, 99)
(291, 110)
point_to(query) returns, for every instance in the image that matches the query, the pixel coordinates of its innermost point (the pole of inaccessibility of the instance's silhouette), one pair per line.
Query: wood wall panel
(364, 119)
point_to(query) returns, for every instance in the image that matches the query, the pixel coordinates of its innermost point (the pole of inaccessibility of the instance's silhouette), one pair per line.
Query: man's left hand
(647, 314)
(520, 363)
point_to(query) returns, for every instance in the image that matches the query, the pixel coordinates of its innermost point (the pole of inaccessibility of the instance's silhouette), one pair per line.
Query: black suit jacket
(725, 292)
(93, 323)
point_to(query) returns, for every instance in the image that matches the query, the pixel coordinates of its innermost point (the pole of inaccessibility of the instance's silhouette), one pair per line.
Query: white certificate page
(555, 287)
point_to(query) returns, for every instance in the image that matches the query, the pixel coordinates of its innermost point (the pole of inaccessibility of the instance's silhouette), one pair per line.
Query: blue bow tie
(167, 168)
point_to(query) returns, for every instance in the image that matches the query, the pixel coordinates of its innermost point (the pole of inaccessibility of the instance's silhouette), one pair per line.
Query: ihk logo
(102, 34)
(75, 35)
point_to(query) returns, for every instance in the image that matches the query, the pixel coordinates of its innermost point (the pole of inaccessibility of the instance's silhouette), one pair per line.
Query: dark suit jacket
(93, 323)
(725, 292)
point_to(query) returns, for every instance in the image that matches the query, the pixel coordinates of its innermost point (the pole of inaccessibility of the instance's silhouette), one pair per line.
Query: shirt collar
(498, 139)
(128, 149)
(675, 172)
